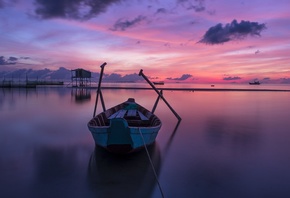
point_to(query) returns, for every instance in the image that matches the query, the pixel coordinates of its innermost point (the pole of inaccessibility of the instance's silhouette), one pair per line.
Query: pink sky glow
(165, 38)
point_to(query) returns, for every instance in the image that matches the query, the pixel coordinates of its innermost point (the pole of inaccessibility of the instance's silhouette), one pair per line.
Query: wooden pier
(27, 84)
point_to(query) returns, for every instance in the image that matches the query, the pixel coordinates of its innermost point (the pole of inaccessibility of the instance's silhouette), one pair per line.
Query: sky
(198, 41)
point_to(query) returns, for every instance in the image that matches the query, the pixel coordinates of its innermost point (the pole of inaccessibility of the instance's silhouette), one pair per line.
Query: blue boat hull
(103, 138)
(124, 135)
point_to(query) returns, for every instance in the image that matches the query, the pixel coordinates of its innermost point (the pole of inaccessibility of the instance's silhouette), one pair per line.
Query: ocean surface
(232, 144)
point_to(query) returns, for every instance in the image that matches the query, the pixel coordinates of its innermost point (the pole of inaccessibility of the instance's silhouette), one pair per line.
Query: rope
(148, 155)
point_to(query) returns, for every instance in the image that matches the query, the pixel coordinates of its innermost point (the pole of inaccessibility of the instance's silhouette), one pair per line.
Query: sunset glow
(199, 41)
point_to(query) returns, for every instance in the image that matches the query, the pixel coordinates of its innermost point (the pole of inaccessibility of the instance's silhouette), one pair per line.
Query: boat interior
(134, 114)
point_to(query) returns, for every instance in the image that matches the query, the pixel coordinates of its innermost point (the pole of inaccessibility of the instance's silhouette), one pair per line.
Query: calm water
(228, 144)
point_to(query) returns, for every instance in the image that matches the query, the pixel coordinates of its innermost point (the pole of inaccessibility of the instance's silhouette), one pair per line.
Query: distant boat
(255, 83)
(158, 83)
(125, 128)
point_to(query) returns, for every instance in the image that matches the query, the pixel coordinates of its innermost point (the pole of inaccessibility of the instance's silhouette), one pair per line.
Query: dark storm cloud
(71, 9)
(232, 78)
(10, 61)
(219, 34)
(183, 77)
(122, 25)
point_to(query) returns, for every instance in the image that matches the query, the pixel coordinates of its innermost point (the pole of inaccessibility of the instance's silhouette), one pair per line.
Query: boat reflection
(131, 175)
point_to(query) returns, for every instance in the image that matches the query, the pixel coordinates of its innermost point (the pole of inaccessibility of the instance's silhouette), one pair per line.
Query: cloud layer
(183, 77)
(122, 25)
(219, 34)
(72, 9)
(232, 78)
(11, 60)
(169, 39)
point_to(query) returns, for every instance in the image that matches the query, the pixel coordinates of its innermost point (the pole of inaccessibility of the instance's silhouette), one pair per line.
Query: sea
(232, 141)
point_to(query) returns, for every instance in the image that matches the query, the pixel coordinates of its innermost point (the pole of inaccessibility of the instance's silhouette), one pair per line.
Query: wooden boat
(254, 83)
(128, 126)
(125, 128)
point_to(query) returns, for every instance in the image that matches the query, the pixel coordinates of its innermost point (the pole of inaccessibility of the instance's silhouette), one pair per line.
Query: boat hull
(102, 137)
(124, 134)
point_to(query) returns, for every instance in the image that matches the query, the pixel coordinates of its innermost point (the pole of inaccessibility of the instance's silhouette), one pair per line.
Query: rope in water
(152, 165)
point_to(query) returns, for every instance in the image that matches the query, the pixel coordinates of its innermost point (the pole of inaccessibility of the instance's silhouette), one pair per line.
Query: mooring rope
(152, 165)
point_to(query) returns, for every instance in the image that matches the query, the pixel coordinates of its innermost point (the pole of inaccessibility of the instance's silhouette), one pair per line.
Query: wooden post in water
(160, 94)
(102, 100)
(156, 102)
(99, 89)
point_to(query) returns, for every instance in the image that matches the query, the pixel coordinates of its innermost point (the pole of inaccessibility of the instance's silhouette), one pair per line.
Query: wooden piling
(160, 94)
(99, 90)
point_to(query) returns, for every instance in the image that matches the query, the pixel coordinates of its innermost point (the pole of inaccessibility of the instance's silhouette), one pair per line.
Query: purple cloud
(232, 78)
(198, 6)
(10, 61)
(72, 9)
(122, 25)
(183, 77)
(285, 80)
(161, 11)
(219, 34)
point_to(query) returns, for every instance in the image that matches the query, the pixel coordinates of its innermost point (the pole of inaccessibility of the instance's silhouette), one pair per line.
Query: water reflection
(81, 95)
(228, 144)
(233, 133)
(9, 96)
(131, 175)
(169, 142)
(57, 168)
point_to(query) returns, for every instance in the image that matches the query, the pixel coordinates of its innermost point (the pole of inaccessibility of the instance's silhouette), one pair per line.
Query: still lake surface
(229, 144)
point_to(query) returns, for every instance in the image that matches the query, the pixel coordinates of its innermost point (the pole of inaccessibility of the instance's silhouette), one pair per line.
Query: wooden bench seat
(132, 113)
(119, 114)
(142, 116)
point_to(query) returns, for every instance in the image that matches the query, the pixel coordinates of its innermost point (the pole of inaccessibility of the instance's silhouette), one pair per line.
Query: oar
(99, 87)
(160, 94)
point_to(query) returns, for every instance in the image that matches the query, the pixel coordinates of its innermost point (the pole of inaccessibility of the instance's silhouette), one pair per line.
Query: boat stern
(119, 137)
